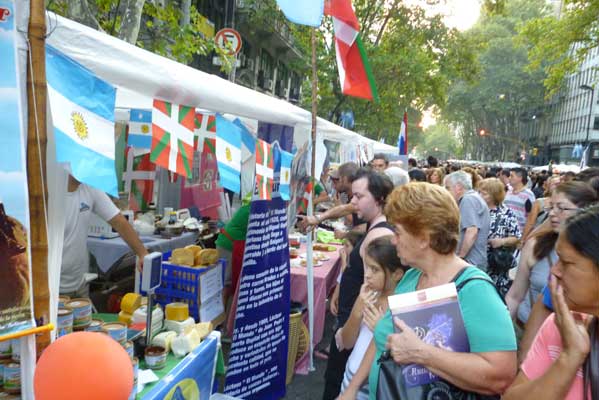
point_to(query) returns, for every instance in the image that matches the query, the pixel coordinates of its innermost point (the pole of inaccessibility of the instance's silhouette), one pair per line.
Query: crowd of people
(529, 240)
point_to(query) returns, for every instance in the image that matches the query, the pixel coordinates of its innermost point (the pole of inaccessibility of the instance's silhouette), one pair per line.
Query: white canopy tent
(147, 75)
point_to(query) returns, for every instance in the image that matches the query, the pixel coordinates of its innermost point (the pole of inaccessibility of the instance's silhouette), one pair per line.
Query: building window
(596, 123)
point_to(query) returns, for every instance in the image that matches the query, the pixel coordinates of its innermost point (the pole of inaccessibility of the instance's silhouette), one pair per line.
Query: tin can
(129, 348)
(64, 321)
(135, 363)
(12, 378)
(16, 350)
(5, 350)
(95, 326)
(155, 357)
(116, 330)
(63, 301)
(82, 313)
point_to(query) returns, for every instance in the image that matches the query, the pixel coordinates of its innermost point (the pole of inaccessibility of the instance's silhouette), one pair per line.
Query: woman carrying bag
(426, 218)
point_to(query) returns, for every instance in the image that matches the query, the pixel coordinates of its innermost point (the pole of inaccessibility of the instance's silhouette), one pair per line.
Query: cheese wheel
(125, 317)
(130, 302)
(182, 257)
(177, 311)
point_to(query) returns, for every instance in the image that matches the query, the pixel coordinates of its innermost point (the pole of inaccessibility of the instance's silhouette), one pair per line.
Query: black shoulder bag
(391, 383)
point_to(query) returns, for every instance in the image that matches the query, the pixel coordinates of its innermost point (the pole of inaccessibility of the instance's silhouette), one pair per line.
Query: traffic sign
(229, 40)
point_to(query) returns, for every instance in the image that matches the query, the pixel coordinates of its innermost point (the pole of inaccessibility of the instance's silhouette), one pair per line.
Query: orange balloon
(83, 365)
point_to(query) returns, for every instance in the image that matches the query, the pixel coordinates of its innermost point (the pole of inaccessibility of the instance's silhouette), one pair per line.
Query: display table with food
(168, 368)
(326, 269)
(114, 251)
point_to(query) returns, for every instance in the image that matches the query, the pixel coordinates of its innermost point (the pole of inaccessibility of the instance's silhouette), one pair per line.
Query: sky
(460, 14)
(13, 179)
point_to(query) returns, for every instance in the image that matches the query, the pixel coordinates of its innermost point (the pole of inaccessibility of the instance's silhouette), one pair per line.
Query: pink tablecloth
(325, 278)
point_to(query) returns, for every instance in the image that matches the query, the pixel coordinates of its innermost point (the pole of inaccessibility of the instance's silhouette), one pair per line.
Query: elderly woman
(427, 221)
(504, 230)
(558, 365)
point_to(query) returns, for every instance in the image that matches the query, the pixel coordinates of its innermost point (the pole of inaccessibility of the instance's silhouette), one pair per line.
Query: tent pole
(36, 167)
(310, 263)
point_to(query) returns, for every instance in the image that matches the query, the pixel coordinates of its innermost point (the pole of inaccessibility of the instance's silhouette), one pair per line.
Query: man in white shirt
(81, 201)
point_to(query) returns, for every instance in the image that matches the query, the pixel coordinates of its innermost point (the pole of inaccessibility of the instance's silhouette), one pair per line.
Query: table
(110, 252)
(172, 362)
(325, 279)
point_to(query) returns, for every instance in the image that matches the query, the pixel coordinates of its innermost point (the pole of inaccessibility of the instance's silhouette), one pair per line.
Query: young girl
(351, 238)
(382, 272)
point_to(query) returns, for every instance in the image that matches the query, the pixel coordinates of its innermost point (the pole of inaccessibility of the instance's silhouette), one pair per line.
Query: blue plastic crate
(181, 284)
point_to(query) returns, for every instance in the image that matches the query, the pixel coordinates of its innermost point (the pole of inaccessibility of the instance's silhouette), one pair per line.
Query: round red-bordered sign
(231, 36)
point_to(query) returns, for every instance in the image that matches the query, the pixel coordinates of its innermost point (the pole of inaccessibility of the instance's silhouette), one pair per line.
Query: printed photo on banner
(15, 271)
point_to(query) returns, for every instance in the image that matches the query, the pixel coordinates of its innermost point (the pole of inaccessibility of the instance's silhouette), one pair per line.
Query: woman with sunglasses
(563, 362)
(538, 253)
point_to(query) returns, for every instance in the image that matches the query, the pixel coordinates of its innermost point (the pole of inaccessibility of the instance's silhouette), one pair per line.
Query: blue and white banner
(192, 378)
(16, 313)
(140, 129)
(258, 358)
(285, 175)
(82, 108)
(228, 153)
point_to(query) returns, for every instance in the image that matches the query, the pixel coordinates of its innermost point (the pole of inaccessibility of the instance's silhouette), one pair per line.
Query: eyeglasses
(559, 209)
(334, 179)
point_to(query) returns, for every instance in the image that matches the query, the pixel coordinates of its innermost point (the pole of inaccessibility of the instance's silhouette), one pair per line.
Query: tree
(441, 142)
(164, 27)
(505, 90)
(413, 57)
(560, 43)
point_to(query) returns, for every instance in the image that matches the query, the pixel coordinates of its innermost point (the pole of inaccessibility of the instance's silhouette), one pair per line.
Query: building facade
(268, 52)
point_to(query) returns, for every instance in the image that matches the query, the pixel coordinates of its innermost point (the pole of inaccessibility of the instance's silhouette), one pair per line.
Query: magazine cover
(435, 315)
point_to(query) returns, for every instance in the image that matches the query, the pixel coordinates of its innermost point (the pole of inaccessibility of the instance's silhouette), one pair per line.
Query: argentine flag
(228, 153)
(82, 107)
(140, 129)
(284, 185)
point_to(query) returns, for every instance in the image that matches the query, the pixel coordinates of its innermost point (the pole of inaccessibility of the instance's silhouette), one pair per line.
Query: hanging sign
(16, 312)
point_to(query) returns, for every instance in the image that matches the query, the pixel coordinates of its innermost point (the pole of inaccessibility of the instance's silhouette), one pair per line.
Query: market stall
(153, 77)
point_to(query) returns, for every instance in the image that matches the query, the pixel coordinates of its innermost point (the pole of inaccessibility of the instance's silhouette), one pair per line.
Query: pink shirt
(544, 351)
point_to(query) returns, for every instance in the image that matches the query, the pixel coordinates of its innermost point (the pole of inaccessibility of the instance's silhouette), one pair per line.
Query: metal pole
(586, 142)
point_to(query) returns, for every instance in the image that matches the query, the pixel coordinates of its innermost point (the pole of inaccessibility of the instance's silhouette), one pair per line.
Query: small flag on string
(140, 129)
(265, 169)
(228, 153)
(205, 128)
(139, 180)
(172, 137)
(302, 206)
(285, 175)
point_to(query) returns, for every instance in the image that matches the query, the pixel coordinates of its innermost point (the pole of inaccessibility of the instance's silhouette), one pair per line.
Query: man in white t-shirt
(81, 201)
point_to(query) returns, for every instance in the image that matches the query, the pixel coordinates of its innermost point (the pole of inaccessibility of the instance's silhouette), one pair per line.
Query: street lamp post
(592, 90)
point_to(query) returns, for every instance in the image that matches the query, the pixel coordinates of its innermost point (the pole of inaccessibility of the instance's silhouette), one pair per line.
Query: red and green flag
(138, 179)
(173, 137)
(265, 169)
(355, 73)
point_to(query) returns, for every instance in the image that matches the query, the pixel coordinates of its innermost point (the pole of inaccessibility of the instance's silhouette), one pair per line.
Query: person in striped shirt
(519, 199)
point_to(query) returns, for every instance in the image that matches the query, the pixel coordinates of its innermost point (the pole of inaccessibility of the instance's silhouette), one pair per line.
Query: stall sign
(16, 312)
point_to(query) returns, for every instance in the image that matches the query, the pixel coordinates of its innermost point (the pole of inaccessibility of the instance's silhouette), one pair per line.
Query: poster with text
(15, 271)
(258, 358)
